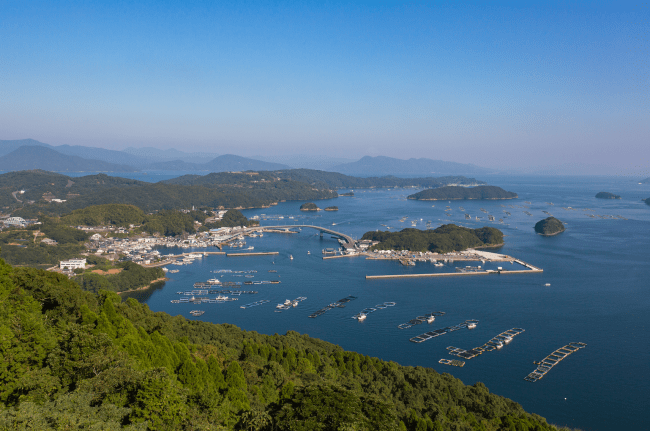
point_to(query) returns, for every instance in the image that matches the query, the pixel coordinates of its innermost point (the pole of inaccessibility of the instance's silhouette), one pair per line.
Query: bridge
(347, 238)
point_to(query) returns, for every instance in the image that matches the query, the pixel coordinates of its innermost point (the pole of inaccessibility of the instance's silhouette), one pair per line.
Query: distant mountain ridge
(382, 165)
(41, 157)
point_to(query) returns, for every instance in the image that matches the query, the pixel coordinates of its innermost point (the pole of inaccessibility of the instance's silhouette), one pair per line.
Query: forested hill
(75, 360)
(324, 179)
(237, 191)
(443, 239)
(457, 192)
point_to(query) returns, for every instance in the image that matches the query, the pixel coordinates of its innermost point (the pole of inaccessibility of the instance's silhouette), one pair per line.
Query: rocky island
(444, 239)
(549, 226)
(607, 195)
(458, 192)
(309, 206)
(334, 208)
(346, 194)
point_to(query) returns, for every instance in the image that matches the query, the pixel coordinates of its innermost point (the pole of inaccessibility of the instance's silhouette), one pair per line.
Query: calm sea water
(598, 270)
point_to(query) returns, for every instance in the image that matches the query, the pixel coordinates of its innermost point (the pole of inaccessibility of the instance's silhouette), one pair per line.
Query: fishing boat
(361, 317)
(430, 319)
(291, 256)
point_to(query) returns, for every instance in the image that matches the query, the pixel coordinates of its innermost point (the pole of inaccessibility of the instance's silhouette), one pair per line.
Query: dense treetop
(309, 206)
(444, 239)
(76, 360)
(549, 226)
(607, 195)
(458, 192)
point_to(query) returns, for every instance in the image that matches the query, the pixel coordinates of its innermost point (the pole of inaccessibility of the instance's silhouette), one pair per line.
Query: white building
(73, 264)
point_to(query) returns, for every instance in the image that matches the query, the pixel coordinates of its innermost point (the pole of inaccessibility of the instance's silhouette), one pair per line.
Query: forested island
(549, 226)
(346, 194)
(443, 239)
(333, 208)
(607, 195)
(73, 359)
(309, 206)
(458, 192)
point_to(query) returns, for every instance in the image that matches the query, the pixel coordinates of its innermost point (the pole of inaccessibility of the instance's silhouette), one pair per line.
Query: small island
(346, 194)
(309, 206)
(444, 239)
(459, 192)
(332, 208)
(607, 195)
(549, 226)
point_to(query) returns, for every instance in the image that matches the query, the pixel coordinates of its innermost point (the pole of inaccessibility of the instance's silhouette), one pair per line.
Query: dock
(261, 253)
(545, 365)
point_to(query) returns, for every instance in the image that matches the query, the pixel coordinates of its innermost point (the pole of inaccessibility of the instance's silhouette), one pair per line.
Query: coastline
(144, 287)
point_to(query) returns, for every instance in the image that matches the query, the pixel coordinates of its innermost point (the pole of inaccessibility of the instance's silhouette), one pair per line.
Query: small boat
(547, 284)
(507, 340)
(430, 319)
(214, 281)
(361, 317)
(291, 256)
(471, 325)
(308, 252)
(499, 344)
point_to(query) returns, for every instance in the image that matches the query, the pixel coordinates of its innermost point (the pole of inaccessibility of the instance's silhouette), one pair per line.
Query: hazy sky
(491, 83)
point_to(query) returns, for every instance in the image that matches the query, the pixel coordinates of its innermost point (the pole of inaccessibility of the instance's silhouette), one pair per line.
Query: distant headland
(458, 192)
(549, 226)
(607, 195)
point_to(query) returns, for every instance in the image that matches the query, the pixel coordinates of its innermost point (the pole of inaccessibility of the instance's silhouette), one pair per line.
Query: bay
(598, 293)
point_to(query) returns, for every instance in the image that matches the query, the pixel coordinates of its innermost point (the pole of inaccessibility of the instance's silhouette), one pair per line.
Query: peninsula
(444, 239)
(607, 195)
(458, 192)
(549, 226)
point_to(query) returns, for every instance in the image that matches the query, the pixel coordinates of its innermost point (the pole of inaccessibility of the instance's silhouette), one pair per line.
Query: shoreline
(144, 287)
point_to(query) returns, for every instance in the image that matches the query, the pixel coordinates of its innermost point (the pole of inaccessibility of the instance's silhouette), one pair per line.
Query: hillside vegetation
(458, 192)
(444, 239)
(74, 360)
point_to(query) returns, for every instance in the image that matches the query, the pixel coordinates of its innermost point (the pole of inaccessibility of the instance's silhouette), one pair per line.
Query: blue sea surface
(598, 294)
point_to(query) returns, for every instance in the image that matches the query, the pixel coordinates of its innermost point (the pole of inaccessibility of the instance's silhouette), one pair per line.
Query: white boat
(221, 298)
(251, 248)
(214, 281)
(430, 319)
(499, 344)
(291, 256)
(361, 317)
(308, 252)
(471, 325)
(508, 339)
(547, 284)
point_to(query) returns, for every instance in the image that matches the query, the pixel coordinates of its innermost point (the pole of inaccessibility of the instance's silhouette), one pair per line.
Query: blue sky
(493, 83)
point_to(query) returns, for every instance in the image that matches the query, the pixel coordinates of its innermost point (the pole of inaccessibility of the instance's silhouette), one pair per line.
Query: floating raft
(255, 304)
(438, 332)
(454, 362)
(340, 304)
(495, 343)
(369, 310)
(545, 365)
(420, 319)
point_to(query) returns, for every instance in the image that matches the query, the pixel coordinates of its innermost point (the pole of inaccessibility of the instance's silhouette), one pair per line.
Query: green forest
(73, 360)
(131, 276)
(443, 239)
(224, 189)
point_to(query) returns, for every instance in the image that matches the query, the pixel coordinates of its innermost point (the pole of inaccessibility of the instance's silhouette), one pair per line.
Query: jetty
(495, 343)
(545, 365)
